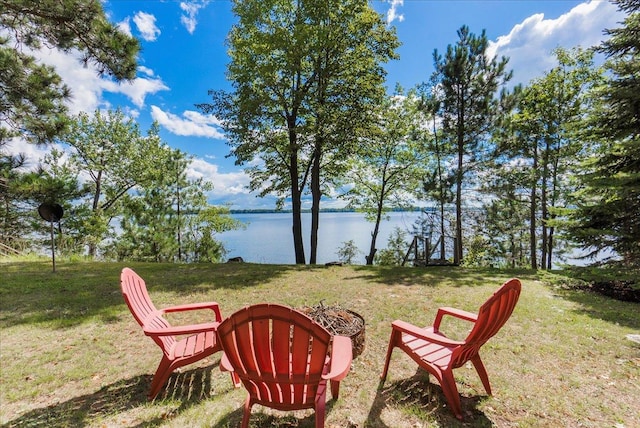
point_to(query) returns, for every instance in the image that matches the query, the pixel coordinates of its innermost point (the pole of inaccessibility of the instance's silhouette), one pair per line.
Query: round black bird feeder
(51, 213)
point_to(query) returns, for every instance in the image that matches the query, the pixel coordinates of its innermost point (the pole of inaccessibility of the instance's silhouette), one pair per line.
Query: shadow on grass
(263, 420)
(188, 388)
(575, 285)
(425, 400)
(602, 307)
(31, 293)
(283, 419)
(439, 275)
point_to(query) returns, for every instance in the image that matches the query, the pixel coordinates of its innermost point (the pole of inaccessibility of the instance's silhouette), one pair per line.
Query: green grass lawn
(72, 354)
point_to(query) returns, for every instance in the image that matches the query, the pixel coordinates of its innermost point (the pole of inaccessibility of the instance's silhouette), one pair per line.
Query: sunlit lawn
(72, 354)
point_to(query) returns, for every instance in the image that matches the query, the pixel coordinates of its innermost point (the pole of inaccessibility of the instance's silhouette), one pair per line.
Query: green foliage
(23, 194)
(348, 252)
(169, 220)
(200, 243)
(132, 177)
(297, 70)
(13, 203)
(396, 249)
(33, 95)
(480, 252)
(387, 170)
(608, 202)
(537, 144)
(468, 80)
(505, 230)
(110, 150)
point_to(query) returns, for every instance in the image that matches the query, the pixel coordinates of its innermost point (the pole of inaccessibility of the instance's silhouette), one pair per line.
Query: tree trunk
(94, 207)
(459, 174)
(315, 204)
(513, 250)
(296, 192)
(372, 248)
(545, 238)
(376, 229)
(550, 253)
(554, 198)
(441, 187)
(544, 205)
(532, 213)
(458, 248)
(179, 226)
(296, 207)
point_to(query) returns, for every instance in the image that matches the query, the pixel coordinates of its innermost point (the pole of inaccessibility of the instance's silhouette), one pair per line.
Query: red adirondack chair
(439, 355)
(283, 358)
(200, 341)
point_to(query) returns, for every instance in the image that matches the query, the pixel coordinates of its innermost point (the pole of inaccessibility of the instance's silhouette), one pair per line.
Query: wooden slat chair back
(134, 291)
(432, 350)
(180, 345)
(492, 315)
(283, 358)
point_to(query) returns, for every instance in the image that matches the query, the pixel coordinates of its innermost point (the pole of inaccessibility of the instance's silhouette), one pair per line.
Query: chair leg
(482, 372)
(320, 404)
(235, 379)
(247, 412)
(392, 343)
(335, 389)
(160, 377)
(448, 384)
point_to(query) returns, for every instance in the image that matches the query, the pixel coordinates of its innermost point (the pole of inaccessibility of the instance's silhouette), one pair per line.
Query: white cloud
(33, 153)
(530, 44)
(191, 123)
(146, 24)
(87, 86)
(392, 13)
(191, 9)
(139, 88)
(146, 70)
(225, 184)
(125, 26)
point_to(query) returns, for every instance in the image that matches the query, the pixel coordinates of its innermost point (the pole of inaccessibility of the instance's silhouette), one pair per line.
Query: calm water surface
(268, 237)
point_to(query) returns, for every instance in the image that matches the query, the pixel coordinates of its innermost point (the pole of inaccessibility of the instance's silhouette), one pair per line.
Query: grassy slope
(72, 355)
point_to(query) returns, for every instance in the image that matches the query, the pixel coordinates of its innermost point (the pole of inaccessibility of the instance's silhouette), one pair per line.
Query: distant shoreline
(323, 210)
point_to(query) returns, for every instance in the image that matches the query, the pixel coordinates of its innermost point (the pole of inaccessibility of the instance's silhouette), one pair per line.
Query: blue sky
(183, 56)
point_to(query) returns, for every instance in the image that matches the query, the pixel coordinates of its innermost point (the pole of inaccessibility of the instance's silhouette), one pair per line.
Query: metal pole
(53, 248)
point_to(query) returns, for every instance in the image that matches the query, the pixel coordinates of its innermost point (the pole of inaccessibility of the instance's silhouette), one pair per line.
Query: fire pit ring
(339, 321)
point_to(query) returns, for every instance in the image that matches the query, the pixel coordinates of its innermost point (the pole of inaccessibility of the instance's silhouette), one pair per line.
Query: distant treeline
(324, 210)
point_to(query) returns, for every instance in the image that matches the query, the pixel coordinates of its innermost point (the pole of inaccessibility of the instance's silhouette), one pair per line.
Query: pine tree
(469, 80)
(608, 206)
(32, 95)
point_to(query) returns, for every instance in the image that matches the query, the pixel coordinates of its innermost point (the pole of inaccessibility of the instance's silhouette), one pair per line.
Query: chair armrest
(195, 306)
(458, 313)
(424, 333)
(179, 330)
(341, 357)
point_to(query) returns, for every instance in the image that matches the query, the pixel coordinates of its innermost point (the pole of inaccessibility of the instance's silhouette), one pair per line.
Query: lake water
(268, 237)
